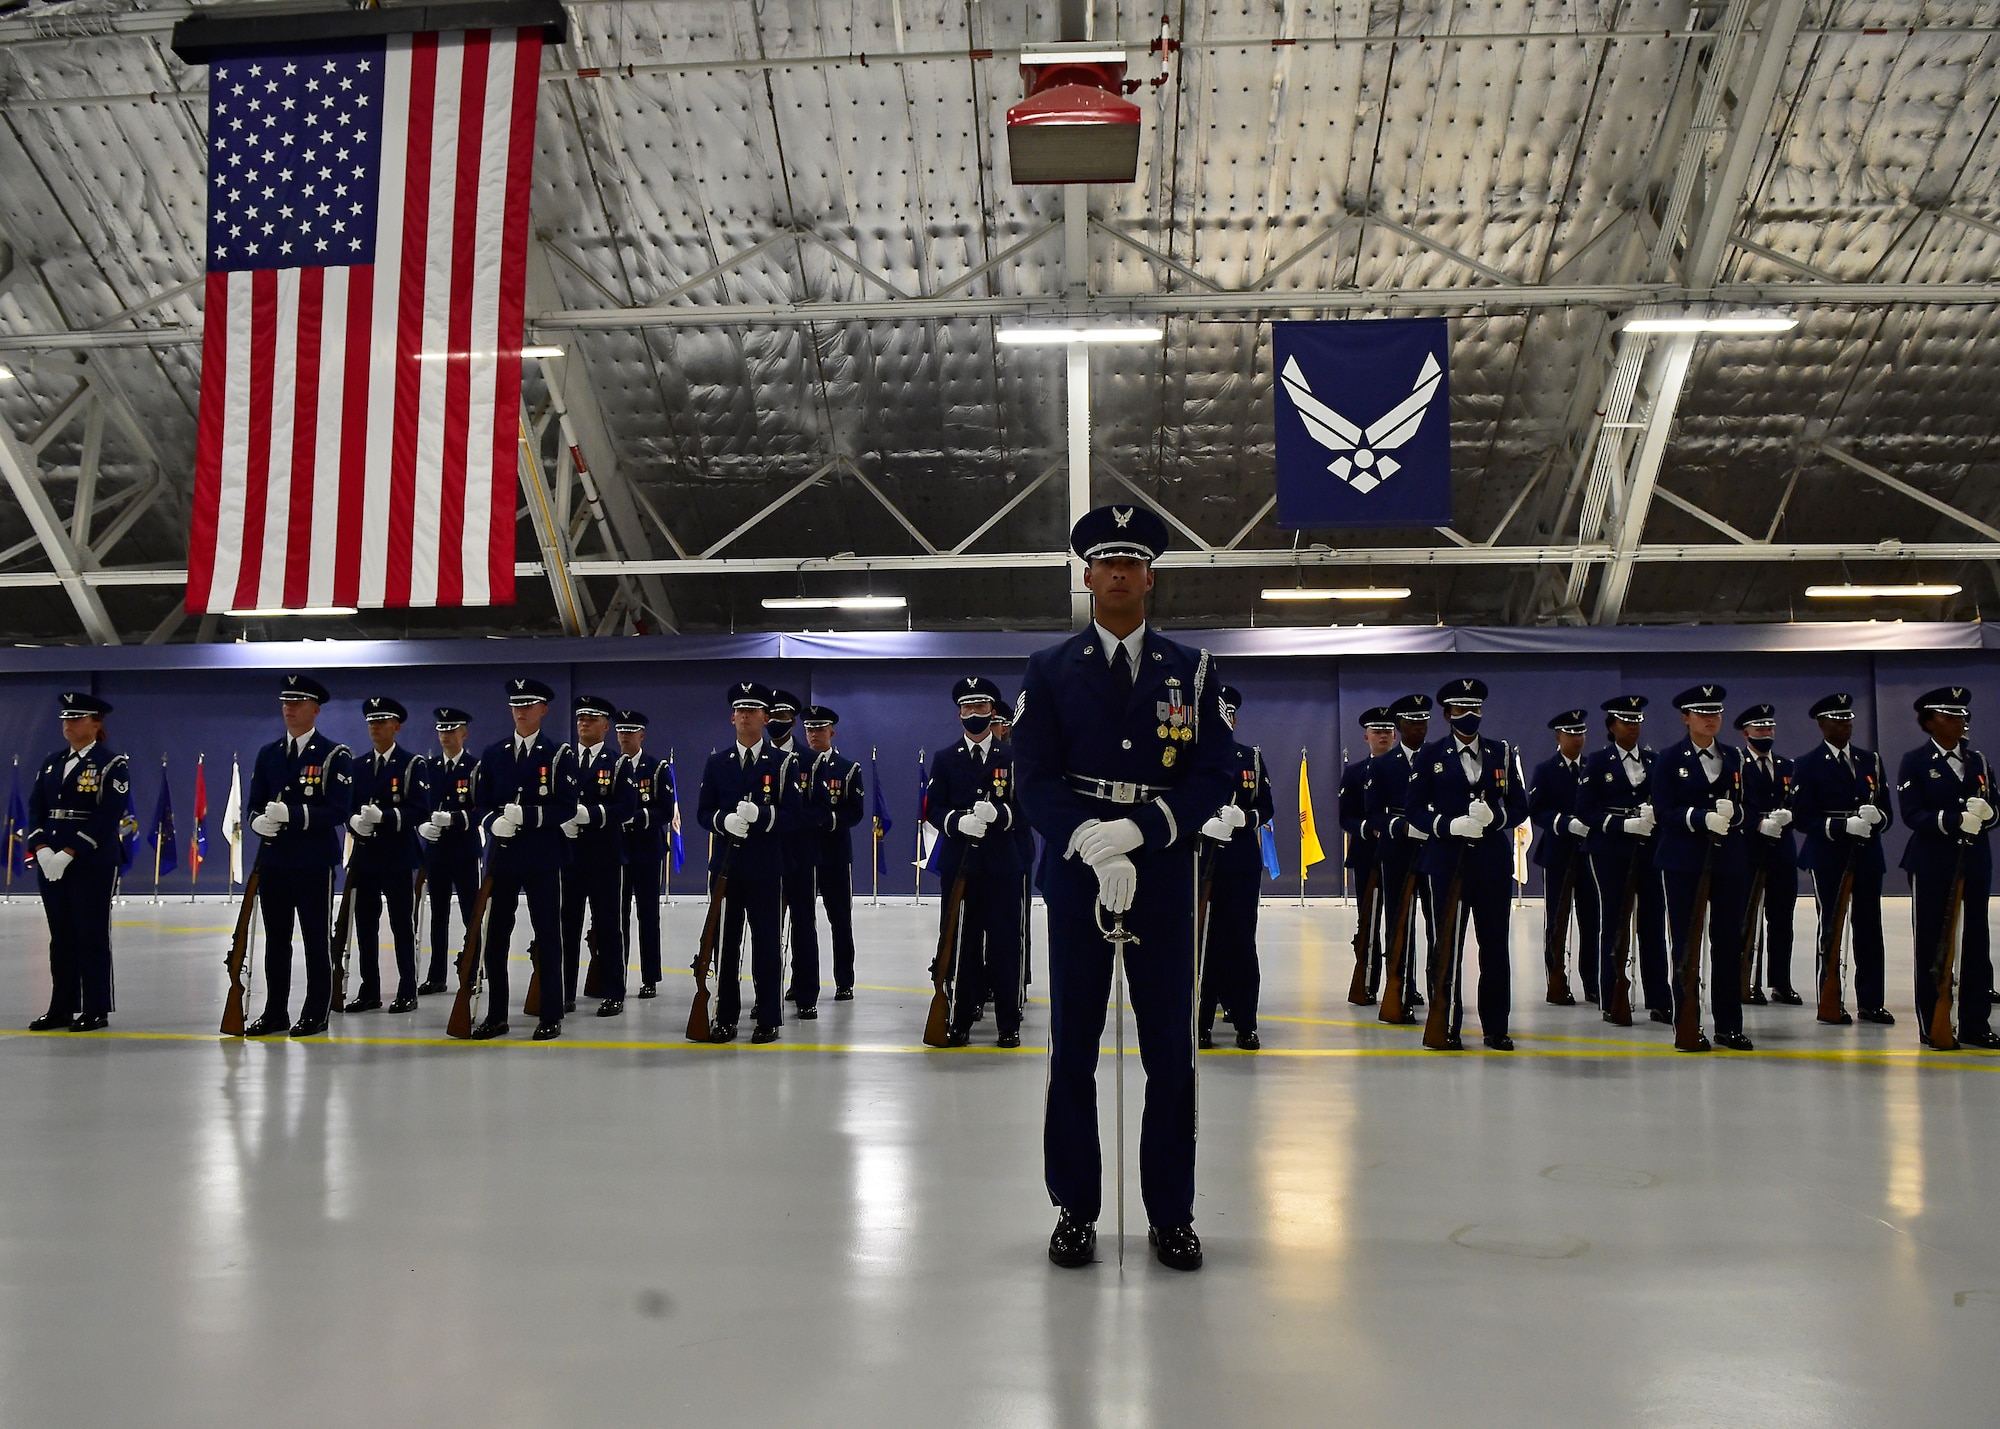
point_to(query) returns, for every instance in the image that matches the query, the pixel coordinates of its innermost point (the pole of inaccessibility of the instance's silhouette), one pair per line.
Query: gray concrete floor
(621, 1229)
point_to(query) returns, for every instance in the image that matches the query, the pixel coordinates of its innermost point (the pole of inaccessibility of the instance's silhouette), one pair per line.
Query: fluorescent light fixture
(834, 602)
(6, 374)
(1372, 592)
(1746, 323)
(1866, 592)
(1030, 336)
(543, 350)
(486, 355)
(261, 613)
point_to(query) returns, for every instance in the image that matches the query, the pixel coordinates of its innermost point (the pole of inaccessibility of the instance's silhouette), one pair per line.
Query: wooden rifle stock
(239, 951)
(1943, 1036)
(1438, 1035)
(1831, 1008)
(1360, 992)
(597, 980)
(1395, 1003)
(1618, 996)
(531, 1005)
(951, 931)
(1687, 1001)
(1555, 949)
(471, 965)
(699, 1026)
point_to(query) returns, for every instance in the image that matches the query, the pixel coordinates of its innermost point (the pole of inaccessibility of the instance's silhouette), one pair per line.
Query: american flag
(361, 359)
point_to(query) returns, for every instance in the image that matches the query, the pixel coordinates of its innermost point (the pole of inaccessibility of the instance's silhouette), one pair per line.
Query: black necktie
(1121, 670)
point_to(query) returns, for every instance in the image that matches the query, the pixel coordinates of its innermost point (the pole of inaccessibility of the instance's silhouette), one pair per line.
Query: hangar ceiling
(775, 242)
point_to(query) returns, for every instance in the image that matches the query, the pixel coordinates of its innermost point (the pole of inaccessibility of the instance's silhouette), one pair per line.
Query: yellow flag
(1310, 852)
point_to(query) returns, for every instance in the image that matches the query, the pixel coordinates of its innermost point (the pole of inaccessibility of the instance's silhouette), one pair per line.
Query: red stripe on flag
(257, 473)
(410, 319)
(208, 442)
(457, 372)
(305, 437)
(513, 288)
(353, 476)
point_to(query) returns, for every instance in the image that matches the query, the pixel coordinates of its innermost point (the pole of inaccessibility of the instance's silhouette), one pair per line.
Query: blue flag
(879, 812)
(1363, 423)
(160, 833)
(679, 849)
(17, 821)
(1267, 843)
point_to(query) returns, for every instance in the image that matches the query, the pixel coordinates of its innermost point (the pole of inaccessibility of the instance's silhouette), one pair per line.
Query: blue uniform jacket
(1551, 805)
(79, 813)
(450, 791)
(957, 782)
(1250, 791)
(1682, 794)
(604, 801)
(1824, 795)
(1932, 799)
(773, 784)
(1439, 793)
(1360, 852)
(651, 819)
(1385, 792)
(1605, 798)
(401, 791)
(317, 789)
(1761, 794)
(1167, 740)
(544, 785)
(834, 807)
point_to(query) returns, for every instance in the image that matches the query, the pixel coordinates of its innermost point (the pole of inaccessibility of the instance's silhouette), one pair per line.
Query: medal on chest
(542, 778)
(767, 788)
(309, 777)
(86, 779)
(1172, 713)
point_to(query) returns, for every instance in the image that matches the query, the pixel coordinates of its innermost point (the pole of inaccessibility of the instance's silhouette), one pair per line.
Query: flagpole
(920, 828)
(1302, 842)
(11, 831)
(874, 843)
(1338, 786)
(200, 808)
(156, 837)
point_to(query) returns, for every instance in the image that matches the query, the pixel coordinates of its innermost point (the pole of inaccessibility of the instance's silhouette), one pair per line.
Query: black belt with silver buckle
(69, 813)
(1116, 791)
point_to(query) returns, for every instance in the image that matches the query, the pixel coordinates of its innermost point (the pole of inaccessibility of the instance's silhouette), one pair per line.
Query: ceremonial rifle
(239, 950)
(951, 935)
(471, 964)
(1555, 950)
(597, 977)
(343, 925)
(1618, 996)
(699, 1027)
(531, 1005)
(1438, 1035)
(1359, 989)
(1395, 1003)
(1942, 1036)
(1687, 1001)
(1749, 987)
(1831, 1008)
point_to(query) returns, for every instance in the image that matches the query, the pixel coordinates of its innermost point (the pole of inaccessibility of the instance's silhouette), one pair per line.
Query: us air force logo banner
(1363, 419)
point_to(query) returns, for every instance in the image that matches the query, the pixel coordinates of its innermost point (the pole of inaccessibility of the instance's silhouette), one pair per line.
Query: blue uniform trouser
(642, 897)
(1929, 895)
(1724, 933)
(1610, 870)
(1482, 910)
(1160, 972)
(595, 885)
(78, 906)
(756, 901)
(458, 879)
(304, 895)
(1781, 901)
(1419, 931)
(1573, 864)
(836, 891)
(544, 893)
(989, 961)
(1864, 930)
(1229, 972)
(373, 889)
(802, 917)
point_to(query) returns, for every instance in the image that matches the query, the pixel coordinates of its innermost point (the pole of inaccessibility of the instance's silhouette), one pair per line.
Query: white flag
(232, 822)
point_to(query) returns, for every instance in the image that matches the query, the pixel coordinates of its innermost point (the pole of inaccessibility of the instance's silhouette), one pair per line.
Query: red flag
(198, 844)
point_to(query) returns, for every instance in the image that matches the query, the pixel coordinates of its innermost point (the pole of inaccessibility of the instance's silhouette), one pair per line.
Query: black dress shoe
(808, 1014)
(1756, 997)
(1223, 1014)
(648, 990)
(569, 1006)
(1073, 1243)
(1205, 1040)
(1008, 1039)
(50, 1022)
(958, 1038)
(843, 994)
(547, 1031)
(314, 1028)
(1735, 1042)
(762, 1035)
(1984, 1041)
(1700, 1045)
(1786, 996)
(1846, 1019)
(1453, 1043)
(1568, 999)
(489, 1029)
(1880, 1016)
(1248, 1041)
(1416, 998)
(363, 1004)
(402, 1004)
(90, 1022)
(724, 1032)
(1176, 1247)
(430, 986)
(1658, 1016)
(611, 1007)
(1500, 1044)
(269, 1025)
(791, 994)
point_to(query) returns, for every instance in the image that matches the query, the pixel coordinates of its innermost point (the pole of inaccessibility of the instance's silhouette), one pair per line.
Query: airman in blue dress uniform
(832, 813)
(645, 832)
(1948, 801)
(800, 942)
(525, 791)
(451, 839)
(1024, 844)
(1698, 800)
(595, 880)
(1399, 844)
(1614, 800)
(1767, 799)
(1122, 755)
(1363, 858)
(1230, 975)
(78, 802)
(1468, 793)
(391, 802)
(1562, 854)
(301, 795)
(1840, 806)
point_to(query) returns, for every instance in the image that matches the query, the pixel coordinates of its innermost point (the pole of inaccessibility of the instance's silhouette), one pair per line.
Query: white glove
(277, 813)
(747, 810)
(970, 826)
(1859, 828)
(1466, 826)
(1577, 828)
(362, 828)
(1968, 821)
(1235, 817)
(736, 825)
(1726, 808)
(440, 821)
(1718, 822)
(988, 811)
(1482, 811)
(372, 813)
(1117, 881)
(1870, 815)
(1977, 805)
(1108, 840)
(47, 857)
(506, 828)
(1219, 829)
(515, 815)
(1782, 817)
(265, 826)
(568, 826)
(1416, 833)
(1770, 827)
(429, 833)
(1640, 827)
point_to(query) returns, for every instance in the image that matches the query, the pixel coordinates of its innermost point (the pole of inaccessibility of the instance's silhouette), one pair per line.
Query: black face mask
(975, 725)
(1761, 743)
(1466, 725)
(778, 730)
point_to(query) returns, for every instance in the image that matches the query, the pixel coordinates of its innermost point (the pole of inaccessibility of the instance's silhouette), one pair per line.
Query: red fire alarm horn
(1075, 126)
